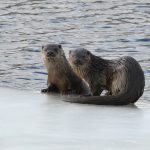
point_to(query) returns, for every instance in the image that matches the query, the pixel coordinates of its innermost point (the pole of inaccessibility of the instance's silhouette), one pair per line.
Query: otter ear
(60, 46)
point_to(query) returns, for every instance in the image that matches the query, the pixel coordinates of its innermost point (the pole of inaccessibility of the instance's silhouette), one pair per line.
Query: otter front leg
(51, 88)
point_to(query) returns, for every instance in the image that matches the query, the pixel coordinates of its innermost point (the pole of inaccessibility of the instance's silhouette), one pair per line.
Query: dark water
(107, 28)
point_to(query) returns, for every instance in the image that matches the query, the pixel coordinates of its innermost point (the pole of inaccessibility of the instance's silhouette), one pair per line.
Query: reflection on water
(108, 28)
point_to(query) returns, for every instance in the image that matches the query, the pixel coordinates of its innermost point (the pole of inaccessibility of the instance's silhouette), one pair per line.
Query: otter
(123, 78)
(61, 77)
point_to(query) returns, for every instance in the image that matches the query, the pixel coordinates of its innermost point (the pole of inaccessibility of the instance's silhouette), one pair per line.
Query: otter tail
(122, 99)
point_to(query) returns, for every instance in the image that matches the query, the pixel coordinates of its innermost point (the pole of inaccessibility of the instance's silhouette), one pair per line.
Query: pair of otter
(123, 78)
(61, 77)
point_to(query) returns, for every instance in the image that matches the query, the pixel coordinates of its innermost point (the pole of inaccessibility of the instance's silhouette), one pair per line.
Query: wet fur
(61, 77)
(123, 78)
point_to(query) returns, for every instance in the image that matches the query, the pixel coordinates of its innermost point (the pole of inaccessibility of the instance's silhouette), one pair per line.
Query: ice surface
(35, 121)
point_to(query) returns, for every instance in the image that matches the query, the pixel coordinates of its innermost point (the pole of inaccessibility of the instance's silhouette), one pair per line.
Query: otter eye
(70, 52)
(42, 47)
(59, 46)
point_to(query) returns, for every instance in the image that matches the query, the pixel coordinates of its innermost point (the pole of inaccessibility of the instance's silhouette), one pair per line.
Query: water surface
(107, 28)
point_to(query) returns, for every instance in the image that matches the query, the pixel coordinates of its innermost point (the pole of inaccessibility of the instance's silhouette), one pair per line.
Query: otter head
(79, 57)
(52, 52)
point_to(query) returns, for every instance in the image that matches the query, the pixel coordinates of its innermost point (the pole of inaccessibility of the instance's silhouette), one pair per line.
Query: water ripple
(107, 28)
(143, 40)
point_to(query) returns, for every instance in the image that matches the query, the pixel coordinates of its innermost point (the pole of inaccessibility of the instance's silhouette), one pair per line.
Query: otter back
(123, 78)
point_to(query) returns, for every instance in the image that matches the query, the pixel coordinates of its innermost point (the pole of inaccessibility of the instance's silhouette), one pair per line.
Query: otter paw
(44, 90)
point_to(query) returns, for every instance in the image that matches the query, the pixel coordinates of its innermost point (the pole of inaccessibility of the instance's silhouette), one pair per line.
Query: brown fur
(61, 77)
(123, 78)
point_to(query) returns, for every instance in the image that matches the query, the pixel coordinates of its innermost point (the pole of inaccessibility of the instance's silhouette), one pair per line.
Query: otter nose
(50, 54)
